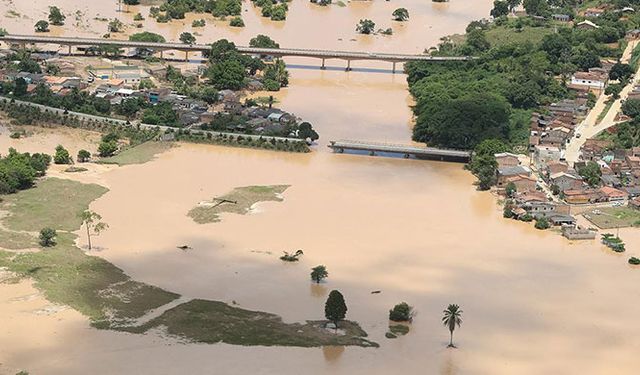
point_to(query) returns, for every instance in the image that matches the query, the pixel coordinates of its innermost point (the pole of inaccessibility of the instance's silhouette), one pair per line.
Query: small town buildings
(587, 25)
(610, 194)
(591, 80)
(574, 232)
(539, 209)
(522, 182)
(560, 219)
(556, 167)
(543, 155)
(561, 17)
(566, 181)
(579, 196)
(507, 159)
(504, 173)
(593, 12)
(634, 203)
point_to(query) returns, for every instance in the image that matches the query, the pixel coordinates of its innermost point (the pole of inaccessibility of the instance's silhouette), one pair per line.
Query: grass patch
(614, 217)
(88, 284)
(238, 201)
(605, 110)
(17, 240)
(505, 35)
(53, 202)
(213, 322)
(399, 329)
(76, 169)
(139, 154)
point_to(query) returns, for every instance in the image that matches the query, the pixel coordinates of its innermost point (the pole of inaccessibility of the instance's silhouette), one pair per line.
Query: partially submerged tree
(335, 309)
(319, 273)
(400, 14)
(366, 26)
(452, 317)
(401, 312)
(187, 38)
(42, 26)
(55, 16)
(93, 225)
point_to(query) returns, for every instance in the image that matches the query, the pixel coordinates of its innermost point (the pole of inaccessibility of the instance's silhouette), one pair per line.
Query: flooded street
(534, 303)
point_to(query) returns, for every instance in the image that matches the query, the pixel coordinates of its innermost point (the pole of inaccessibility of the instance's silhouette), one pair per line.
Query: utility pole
(119, 6)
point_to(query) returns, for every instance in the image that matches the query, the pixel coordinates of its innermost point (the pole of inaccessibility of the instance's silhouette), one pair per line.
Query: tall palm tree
(452, 317)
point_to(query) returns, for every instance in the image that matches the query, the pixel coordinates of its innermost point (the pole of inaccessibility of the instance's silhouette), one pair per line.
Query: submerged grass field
(238, 201)
(139, 154)
(112, 300)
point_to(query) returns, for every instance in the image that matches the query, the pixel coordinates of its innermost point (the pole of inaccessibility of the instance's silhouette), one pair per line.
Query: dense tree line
(18, 171)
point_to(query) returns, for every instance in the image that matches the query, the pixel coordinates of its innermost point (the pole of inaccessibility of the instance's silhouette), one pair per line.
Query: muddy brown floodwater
(533, 302)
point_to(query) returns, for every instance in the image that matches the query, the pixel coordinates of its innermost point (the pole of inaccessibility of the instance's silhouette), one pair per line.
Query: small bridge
(23, 40)
(429, 153)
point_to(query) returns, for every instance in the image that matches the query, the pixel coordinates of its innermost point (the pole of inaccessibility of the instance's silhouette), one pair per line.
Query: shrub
(401, 312)
(542, 223)
(47, 237)
(62, 156)
(635, 261)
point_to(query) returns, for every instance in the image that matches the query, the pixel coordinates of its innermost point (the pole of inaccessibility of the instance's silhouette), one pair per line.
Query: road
(588, 127)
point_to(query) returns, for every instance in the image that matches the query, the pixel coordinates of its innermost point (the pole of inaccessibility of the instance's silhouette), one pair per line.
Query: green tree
(47, 237)
(42, 26)
(465, 121)
(500, 8)
(147, 37)
(62, 156)
(401, 312)
(620, 71)
(187, 38)
(236, 22)
(366, 26)
(476, 42)
(614, 90)
(513, 4)
(227, 74)
(107, 148)
(319, 273)
(306, 131)
(542, 223)
(263, 41)
(335, 309)
(20, 88)
(93, 225)
(511, 190)
(536, 7)
(631, 107)
(452, 317)
(400, 14)
(591, 173)
(83, 156)
(55, 16)
(115, 26)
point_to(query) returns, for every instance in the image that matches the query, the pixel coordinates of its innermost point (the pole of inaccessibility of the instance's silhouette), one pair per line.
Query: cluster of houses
(551, 131)
(117, 83)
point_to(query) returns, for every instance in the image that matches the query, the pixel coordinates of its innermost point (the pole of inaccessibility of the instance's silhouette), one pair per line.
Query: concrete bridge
(407, 152)
(24, 40)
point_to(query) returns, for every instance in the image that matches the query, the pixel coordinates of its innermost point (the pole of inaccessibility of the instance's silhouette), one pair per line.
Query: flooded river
(418, 231)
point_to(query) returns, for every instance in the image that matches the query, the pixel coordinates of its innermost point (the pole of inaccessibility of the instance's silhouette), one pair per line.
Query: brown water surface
(533, 302)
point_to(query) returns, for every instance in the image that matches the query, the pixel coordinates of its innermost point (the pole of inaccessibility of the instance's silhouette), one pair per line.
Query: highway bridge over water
(394, 58)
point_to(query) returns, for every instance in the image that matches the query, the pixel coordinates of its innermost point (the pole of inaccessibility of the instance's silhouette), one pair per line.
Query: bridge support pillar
(348, 69)
(161, 54)
(69, 50)
(393, 70)
(186, 56)
(406, 156)
(372, 153)
(323, 67)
